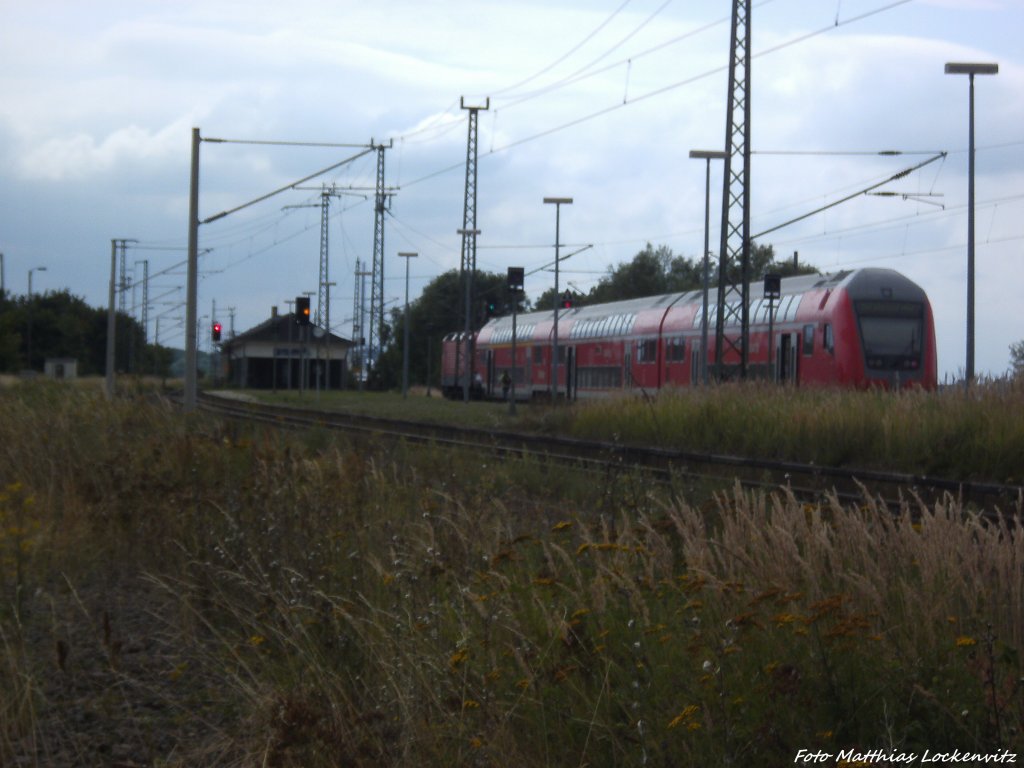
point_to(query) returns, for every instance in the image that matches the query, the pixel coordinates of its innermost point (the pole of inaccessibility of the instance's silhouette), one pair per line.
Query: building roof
(282, 329)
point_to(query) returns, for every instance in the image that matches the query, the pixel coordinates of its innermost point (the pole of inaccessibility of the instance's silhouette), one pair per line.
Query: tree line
(59, 324)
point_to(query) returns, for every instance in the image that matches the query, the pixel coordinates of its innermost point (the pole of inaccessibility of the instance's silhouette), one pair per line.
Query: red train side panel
(870, 327)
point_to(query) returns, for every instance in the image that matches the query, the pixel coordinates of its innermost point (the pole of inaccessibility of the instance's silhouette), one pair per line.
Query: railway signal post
(772, 291)
(515, 290)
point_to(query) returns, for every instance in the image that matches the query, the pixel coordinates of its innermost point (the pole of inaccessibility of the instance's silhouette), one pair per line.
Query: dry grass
(979, 435)
(383, 605)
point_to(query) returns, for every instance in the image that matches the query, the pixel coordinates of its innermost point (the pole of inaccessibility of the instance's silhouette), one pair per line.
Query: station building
(281, 354)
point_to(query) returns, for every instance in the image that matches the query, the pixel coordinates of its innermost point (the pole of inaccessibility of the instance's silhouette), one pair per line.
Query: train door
(570, 373)
(490, 373)
(524, 380)
(786, 356)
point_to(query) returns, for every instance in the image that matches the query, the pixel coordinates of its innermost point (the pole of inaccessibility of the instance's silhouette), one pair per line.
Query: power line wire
(659, 91)
(583, 74)
(567, 54)
(901, 174)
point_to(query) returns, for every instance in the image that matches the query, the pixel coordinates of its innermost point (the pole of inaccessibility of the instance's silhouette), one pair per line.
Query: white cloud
(81, 156)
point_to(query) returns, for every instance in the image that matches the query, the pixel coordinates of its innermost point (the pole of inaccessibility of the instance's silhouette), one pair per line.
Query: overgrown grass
(416, 407)
(952, 434)
(949, 433)
(388, 605)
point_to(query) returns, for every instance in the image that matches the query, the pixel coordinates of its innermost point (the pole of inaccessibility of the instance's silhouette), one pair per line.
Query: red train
(860, 328)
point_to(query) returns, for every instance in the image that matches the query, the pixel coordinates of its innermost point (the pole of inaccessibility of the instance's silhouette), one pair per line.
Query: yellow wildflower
(688, 712)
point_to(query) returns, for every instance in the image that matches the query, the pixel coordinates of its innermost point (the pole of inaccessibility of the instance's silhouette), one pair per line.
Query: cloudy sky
(599, 100)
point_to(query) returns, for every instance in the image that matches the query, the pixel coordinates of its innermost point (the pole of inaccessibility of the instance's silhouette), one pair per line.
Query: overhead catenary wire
(587, 38)
(894, 177)
(278, 143)
(657, 92)
(455, 124)
(541, 134)
(895, 222)
(586, 70)
(285, 188)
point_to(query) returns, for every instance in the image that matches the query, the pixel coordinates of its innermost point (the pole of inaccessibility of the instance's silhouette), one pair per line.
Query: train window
(646, 350)
(829, 340)
(538, 354)
(698, 318)
(759, 311)
(786, 304)
(675, 350)
(599, 377)
(808, 339)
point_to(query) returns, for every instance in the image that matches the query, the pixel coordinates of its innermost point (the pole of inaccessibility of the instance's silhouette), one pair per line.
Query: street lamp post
(707, 155)
(28, 339)
(407, 255)
(558, 202)
(970, 69)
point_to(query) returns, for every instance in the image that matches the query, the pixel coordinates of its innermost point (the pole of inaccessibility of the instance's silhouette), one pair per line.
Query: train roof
(866, 281)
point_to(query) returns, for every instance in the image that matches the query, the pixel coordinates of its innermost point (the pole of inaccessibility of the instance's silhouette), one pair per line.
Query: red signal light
(216, 331)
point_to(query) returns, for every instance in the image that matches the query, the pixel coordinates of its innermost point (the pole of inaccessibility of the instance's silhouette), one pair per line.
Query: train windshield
(892, 333)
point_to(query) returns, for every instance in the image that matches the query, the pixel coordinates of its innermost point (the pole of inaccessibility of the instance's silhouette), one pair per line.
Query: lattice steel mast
(732, 326)
(321, 297)
(469, 232)
(358, 313)
(377, 267)
(124, 283)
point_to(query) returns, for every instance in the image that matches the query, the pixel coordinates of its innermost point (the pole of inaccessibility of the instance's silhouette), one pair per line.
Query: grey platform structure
(280, 354)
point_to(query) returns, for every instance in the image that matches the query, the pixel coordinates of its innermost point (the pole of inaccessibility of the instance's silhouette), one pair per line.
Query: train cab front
(896, 330)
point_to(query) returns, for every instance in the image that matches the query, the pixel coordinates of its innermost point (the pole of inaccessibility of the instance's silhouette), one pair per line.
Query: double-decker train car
(862, 328)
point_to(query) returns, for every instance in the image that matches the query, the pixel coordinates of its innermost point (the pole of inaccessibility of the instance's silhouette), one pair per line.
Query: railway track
(809, 482)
